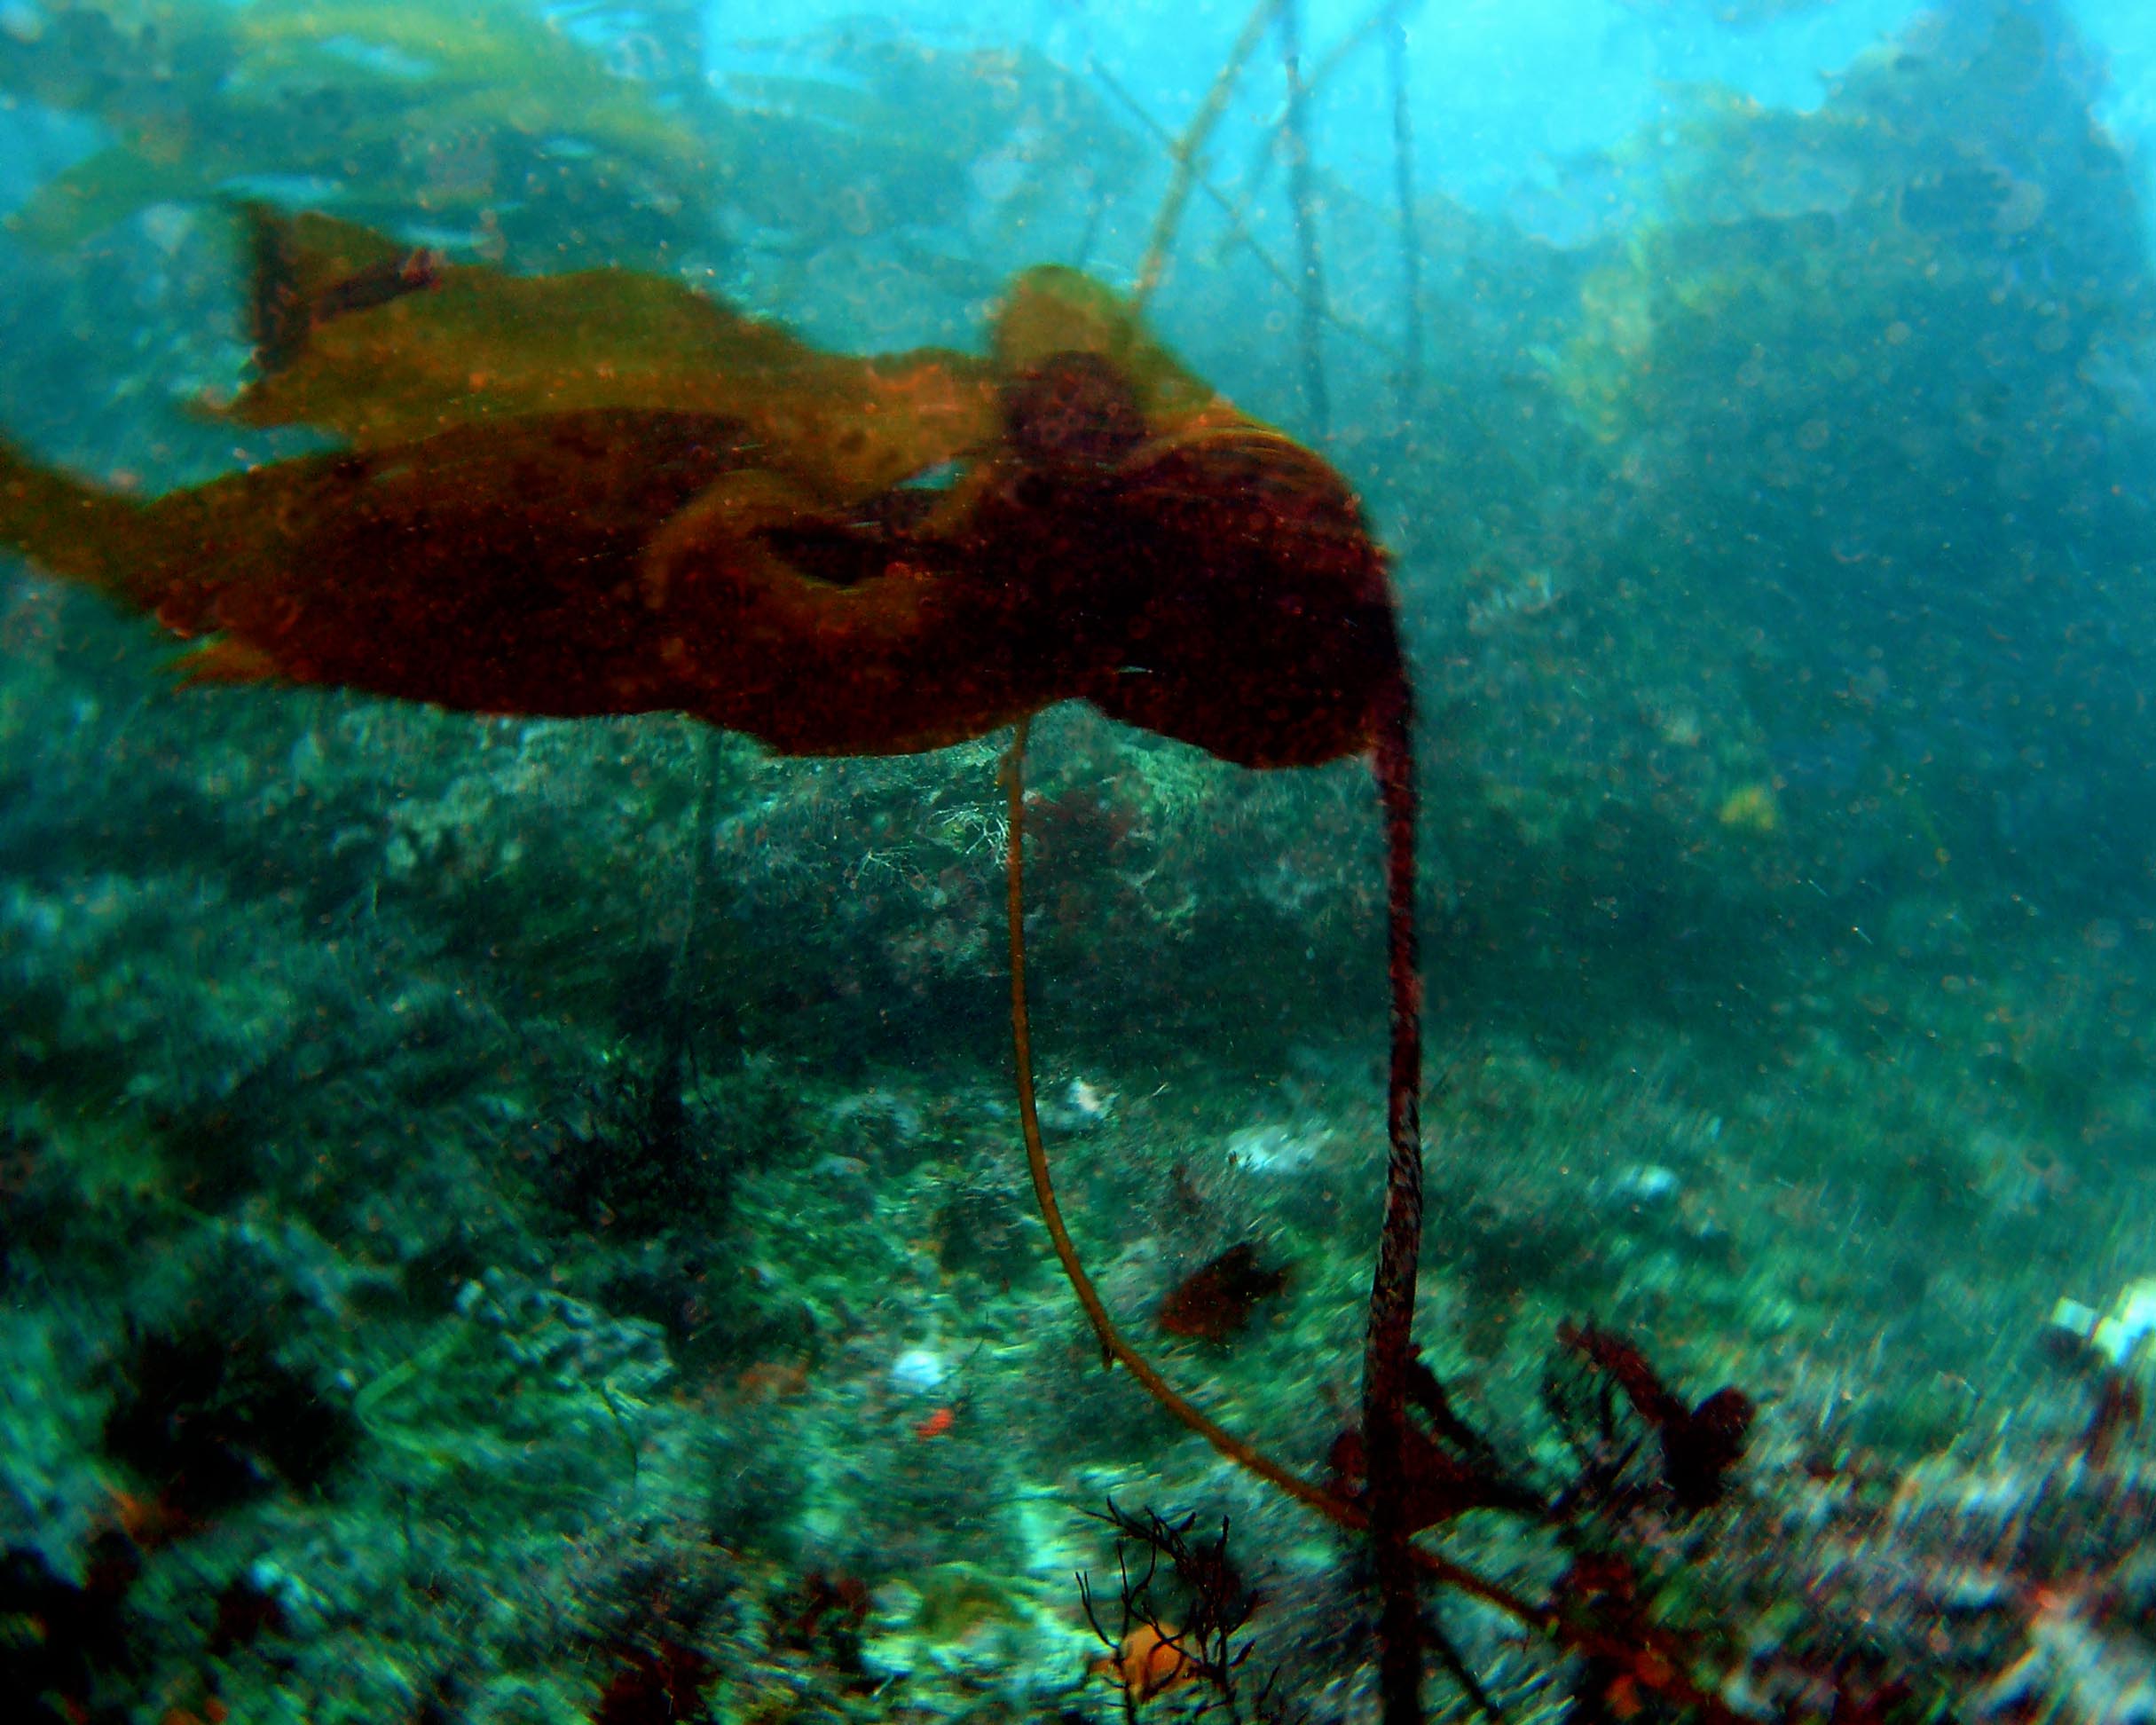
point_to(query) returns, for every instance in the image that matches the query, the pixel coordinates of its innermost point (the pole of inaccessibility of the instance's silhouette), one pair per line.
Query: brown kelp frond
(601, 493)
(306, 270)
(381, 343)
(70, 528)
(1050, 311)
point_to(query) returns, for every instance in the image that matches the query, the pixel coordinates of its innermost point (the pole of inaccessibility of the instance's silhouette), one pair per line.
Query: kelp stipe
(1115, 1346)
(1390, 1357)
(1389, 1348)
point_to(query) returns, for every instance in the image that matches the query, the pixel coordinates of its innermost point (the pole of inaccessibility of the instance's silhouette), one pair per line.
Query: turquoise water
(514, 1201)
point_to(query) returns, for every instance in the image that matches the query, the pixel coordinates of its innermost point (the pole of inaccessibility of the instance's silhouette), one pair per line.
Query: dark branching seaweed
(646, 1155)
(1179, 1630)
(1645, 1463)
(653, 1146)
(1644, 1459)
(1450, 1466)
(1698, 1447)
(632, 1159)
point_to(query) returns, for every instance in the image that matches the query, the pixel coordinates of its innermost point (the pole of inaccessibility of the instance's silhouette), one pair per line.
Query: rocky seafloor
(380, 1345)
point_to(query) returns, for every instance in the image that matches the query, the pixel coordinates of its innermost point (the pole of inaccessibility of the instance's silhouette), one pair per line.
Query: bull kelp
(517, 1206)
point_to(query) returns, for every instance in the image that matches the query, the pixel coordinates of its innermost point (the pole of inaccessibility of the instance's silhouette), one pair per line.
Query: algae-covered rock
(1831, 578)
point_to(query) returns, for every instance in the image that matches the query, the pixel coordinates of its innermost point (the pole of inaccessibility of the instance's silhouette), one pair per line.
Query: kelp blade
(601, 493)
(490, 569)
(478, 343)
(562, 565)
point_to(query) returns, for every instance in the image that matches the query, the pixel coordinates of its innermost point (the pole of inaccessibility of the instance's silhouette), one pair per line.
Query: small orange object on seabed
(1147, 1663)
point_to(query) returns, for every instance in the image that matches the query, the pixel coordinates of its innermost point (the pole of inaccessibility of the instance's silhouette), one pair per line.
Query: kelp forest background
(521, 1221)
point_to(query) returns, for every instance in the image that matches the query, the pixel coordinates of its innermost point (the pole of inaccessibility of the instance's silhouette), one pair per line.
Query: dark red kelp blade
(1118, 530)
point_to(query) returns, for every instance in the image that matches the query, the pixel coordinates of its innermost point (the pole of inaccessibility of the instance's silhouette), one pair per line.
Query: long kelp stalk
(669, 1118)
(1238, 227)
(1390, 1349)
(1113, 1342)
(1399, 1561)
(1302, 186)
(1267, 149)
(1239, 231)
(1191, 147)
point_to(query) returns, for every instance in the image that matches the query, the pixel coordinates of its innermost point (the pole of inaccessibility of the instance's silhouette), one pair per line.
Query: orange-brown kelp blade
(492, 568)
(602, 493)
(565, 565)
(382, 343)
(1051, 311)
(312, 269)
(1258, 611)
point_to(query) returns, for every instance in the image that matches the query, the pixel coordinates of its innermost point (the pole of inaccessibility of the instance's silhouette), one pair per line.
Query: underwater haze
(582, 584)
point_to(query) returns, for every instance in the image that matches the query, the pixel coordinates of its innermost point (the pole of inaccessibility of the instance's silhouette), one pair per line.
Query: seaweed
(447, 115)
(1451, 1469)
(1619, 1605)
(1117, 533)
(1699, 1446)
(552, 135)
(383, 344)
(715, 525)
(1217, 1300)
(1183, 1627)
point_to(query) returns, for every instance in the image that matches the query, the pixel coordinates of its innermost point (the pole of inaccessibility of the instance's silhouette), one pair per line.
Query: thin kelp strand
(1295, 139)
(1238, 229)
(1244, 1454)
(1112, 1340)
(1191, 145)
(1404, 194)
